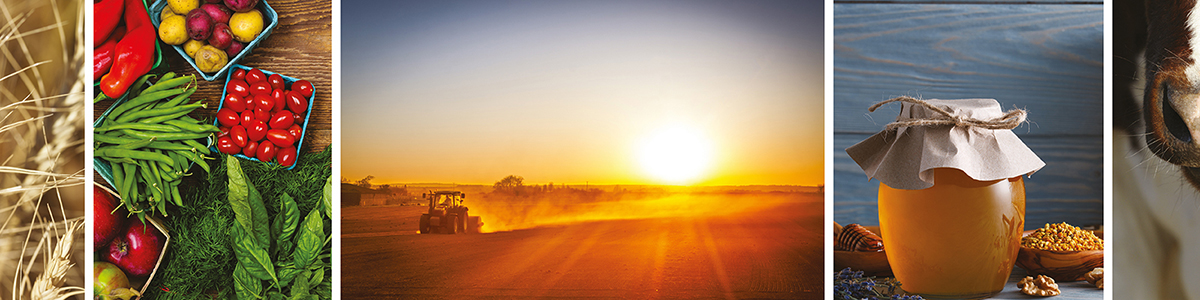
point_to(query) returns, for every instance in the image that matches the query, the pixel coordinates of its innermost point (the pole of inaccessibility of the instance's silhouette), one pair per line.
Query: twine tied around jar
(1010, 120)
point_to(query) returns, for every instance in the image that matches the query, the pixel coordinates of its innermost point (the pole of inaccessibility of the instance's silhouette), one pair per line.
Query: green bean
(142, 99)
(134, 154)
(123, 160)
(182, 97)
(135, 145)
(118, 176)
(178, 199)
(160, 119)
(196, 159)
(165, 136)
(193, 127)
(130, 186)
(140, 126)
(196, 145)
(158, 111)
(112, 139)
(168, 82)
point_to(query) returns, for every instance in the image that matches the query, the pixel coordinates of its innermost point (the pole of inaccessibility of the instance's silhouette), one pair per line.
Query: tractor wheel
(448, 226)
(462, 222)
(473, 224)
(424, 224)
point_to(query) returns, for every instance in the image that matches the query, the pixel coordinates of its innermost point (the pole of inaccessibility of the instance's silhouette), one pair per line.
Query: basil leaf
(250, 256)
(287, 219)
(310, 240)
(239, 193)
(325, 290)
(328, 197)
(300, 289)
(316, 278)
(262, 224)
(245, 285)
(275, 296)
(286, 274)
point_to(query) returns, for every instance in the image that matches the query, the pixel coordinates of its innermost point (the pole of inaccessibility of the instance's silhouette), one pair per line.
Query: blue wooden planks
(1044, 58)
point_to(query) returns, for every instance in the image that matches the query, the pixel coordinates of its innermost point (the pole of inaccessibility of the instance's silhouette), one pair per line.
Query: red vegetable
(287, 156)
(265, 102)
(257, 130)
(276, 81)
(296, 102)
(299, 119)
(239, 74)
(135, 52)
(251, 150)
(280, 97)
(247, 118)
(234, 102)
(103, 57)
(224, 132)
(262, 115)
(266, 151)
(296, 131)
(280, 137)
(199, 25)
(282, 120)
(255, 75)
(238, 87)
(227, 117)
(260, 88)
(106, 16)
(241, 5)
(225, 145)
(304, 87)
(238, 134)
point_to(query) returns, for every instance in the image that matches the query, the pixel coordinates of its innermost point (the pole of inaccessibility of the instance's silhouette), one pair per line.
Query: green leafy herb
(283, 229)
(250, 256)
(246, 285)
(310, 241)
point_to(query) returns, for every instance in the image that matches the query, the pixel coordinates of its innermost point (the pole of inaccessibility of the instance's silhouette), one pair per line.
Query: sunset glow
(676, 155)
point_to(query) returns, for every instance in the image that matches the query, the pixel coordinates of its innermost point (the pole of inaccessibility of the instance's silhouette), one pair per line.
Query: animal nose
(1181, 115)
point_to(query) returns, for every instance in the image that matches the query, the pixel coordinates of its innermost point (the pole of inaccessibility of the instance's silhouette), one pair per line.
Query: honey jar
(951, 194)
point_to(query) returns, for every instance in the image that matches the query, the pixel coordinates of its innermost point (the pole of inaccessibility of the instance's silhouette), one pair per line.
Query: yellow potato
(182, 7)
(246, 25)
(191, 47)
(166, 12)
(172, 30)
(209, 59)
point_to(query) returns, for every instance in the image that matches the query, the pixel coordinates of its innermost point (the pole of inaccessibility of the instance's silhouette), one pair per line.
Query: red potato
(235, 48)
(219, 13)
(221, 37)
(199, 25)
(241, 5)
(266, 151)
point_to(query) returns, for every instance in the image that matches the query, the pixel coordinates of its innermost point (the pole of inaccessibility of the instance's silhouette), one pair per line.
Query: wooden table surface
(301, 46)
(1044, 57)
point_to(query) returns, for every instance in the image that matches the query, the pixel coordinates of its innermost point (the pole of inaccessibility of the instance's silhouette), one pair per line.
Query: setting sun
(676, 155)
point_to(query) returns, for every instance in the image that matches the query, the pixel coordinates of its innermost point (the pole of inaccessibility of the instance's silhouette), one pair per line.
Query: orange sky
(565, 92)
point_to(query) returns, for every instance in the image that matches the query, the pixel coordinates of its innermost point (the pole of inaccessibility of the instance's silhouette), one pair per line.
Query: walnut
(1042, 286)
(1095, 277)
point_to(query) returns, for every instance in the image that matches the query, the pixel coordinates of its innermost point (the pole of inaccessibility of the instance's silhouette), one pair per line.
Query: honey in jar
(955, 240)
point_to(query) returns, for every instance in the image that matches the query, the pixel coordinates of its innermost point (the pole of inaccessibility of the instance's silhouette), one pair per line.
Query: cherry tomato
(304, 87)
(264, 102)
(257, 130)
(248, 102)
(282, 120)
(225, 145)
(246, 118)
(237, 87)
(251, 150)
(260, 88)
(267, 151)
(238, 134)
(276, 81)
(280, 97)
(280, 137)
(255, 75)
(239, 74)
(299, 119)
(234, 102)
(262, 115)
(296, 131)
(296, 102)
(287, 156)
(227, 117)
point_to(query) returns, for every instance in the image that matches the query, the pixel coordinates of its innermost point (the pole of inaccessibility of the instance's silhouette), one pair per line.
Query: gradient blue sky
(561, 91)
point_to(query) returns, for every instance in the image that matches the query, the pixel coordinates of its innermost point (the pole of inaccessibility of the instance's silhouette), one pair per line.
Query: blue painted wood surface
(1047, 59)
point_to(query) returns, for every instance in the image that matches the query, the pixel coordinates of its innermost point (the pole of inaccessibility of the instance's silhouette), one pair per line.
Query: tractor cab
(447, 214)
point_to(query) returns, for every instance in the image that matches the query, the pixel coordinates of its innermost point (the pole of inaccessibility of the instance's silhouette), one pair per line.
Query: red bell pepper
(135, 52)
(107, 14)
(104, 55)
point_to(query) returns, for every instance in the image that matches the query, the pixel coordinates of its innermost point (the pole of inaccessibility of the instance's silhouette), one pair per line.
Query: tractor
(447, 214)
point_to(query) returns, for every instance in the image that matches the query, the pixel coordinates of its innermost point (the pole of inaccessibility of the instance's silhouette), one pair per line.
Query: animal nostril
(1174, 122)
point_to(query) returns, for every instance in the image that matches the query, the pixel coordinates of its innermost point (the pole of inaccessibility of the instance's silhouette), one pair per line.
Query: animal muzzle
(1171, 102)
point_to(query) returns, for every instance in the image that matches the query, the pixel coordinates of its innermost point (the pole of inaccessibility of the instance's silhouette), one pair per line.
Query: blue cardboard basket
(269, 15)
(303, 127)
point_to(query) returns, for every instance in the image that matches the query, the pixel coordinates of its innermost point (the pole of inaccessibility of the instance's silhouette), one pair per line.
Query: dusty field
(770, 252)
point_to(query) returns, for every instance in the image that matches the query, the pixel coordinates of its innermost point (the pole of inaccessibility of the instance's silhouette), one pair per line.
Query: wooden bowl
(1063, 266)
(871, 263)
